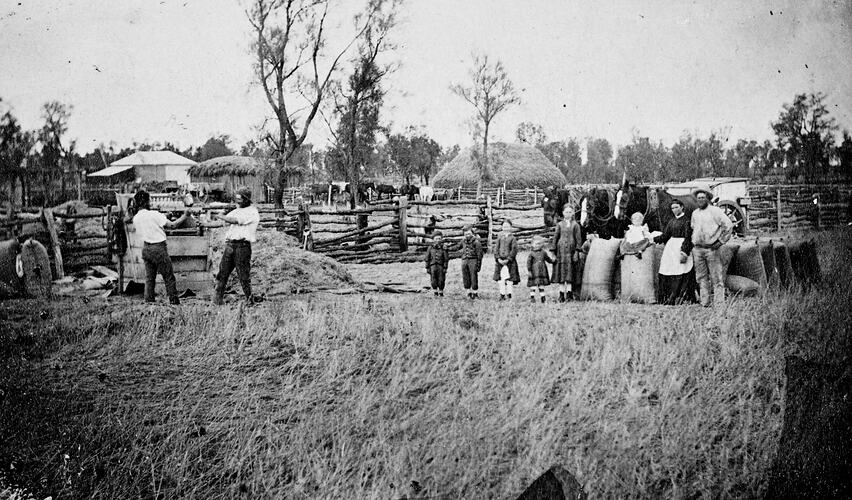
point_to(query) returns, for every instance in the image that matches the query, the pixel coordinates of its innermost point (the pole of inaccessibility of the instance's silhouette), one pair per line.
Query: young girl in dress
(506, 265)
(537, 269)
(566, 243)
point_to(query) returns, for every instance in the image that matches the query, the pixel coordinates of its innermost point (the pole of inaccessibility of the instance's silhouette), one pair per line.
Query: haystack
(228, 165)
(279, 266)
(519, 166)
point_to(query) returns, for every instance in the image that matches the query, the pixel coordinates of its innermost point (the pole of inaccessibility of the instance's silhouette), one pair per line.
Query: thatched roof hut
(519, 166)
(230, 172)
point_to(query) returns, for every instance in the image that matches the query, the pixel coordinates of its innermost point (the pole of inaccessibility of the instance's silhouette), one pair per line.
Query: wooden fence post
(818, 211)
(778, 207)
(50, 224)
(329, 194)
(489, 214)
(403, 229)
(306, 234)
(361, 220)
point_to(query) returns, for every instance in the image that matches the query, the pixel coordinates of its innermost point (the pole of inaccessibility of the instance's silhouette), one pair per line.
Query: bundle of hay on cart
(751, 267)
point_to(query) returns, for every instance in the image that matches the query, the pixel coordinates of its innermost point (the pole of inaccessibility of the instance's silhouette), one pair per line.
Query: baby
(636, 238)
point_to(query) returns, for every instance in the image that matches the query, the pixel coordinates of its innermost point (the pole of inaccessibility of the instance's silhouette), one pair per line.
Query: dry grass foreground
(388, 396)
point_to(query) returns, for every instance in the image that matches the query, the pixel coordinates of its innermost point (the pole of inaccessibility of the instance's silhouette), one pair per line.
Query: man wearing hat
(242, 232)
(711, 229)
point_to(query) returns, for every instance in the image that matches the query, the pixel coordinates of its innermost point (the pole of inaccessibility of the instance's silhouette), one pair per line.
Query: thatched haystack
(229, 165)
(519, 166)
(231, 172)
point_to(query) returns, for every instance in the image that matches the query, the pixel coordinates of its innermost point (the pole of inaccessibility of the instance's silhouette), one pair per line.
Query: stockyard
(383, 249)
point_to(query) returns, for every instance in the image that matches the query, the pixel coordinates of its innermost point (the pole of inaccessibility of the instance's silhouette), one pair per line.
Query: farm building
(518, 166)
(226, 173)
(149, 166)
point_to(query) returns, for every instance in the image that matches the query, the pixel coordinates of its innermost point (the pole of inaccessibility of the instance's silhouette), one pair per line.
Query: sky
(181, 71)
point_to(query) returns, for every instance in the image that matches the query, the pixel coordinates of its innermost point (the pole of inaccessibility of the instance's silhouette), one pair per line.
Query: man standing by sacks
(151, 227)
(711, 229)
(242, 232)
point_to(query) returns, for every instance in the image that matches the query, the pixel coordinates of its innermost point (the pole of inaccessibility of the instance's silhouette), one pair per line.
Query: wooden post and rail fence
(400, 230)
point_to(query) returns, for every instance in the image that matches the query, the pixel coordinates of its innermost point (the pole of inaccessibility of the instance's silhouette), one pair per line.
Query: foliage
(642, 160)
(598, 167)
(844, 153)
(215, 147)
(15, 144)
(358, 125)
(53, 154)
(414, 154)
(531, 133)
(490, 93)
(804, 131)
(565, 155)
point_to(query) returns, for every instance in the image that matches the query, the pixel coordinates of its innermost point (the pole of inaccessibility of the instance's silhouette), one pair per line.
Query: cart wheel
(735, 213)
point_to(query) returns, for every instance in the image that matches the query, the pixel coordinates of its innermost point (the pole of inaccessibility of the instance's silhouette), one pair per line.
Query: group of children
(568, 248)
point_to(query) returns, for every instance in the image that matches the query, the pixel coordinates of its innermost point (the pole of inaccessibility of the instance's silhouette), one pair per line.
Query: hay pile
(228, 165)
(279, 266)
(519, 166)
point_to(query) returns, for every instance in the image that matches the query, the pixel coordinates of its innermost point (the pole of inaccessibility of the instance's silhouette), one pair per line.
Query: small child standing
(636, 238)
(471, 257)
(506, 264)
(437, 261)
(537, 267)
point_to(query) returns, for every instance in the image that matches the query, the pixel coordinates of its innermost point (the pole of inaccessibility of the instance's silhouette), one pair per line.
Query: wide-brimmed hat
(706, 191)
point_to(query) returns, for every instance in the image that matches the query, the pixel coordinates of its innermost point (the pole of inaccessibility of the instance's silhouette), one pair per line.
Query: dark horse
(654, 205)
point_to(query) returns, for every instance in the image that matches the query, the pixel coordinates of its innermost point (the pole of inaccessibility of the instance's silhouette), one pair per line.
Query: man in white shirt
(151, 226)
(241, 233)
(711, 229)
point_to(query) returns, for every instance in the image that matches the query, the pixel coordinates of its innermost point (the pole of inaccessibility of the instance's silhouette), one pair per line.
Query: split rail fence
(401, 230)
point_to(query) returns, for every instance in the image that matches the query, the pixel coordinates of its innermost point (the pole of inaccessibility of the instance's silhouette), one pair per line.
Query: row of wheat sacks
(750, 267)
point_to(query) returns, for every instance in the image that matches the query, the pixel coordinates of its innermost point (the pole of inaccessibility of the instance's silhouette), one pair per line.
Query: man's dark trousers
(156, 258)
(237, 254)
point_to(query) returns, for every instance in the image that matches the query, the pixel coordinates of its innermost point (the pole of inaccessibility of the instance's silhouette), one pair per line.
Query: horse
(552, 202)
(663, 213)
(426, 193)
(611, 220)
(385, 189)
(320, 192)
(409, 190)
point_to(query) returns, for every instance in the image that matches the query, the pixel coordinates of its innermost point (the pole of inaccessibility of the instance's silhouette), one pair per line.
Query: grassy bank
(383, 397)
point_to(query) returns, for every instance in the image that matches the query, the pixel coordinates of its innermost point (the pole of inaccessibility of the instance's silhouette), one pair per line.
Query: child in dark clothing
(437, 260)
(471, 257)
(506, 264)
(537, 268)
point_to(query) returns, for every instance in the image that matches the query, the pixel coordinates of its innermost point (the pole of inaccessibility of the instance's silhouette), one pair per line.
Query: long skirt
(677, 289)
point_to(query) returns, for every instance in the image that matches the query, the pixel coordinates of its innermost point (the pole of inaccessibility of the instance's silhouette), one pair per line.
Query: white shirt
(635, 234)
(248, 218)
(149, 225)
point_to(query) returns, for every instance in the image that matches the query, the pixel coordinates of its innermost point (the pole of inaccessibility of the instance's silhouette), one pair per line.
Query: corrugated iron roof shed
(141, 158)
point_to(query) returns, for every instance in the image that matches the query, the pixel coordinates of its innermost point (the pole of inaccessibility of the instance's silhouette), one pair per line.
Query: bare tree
(293, 68)
(490, 93)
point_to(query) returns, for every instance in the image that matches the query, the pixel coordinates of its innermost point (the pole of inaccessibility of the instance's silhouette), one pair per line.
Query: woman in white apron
(677, 276)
